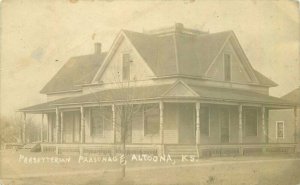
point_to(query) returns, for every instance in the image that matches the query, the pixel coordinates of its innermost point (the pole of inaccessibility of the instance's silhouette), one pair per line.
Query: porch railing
(98, 149)
(200, 150)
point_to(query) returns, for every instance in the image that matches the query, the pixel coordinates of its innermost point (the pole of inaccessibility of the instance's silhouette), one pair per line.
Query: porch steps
(179, 151)
(32, 147)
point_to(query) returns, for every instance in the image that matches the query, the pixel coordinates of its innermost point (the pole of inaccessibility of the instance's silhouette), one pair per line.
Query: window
(227, 67)
(279, 129)
(204, 121)
(250, 121)
(151, 120)
(97, 122)
(126, 67)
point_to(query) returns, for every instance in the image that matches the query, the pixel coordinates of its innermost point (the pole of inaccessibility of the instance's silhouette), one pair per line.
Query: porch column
(82, 130)
(198, 123)
(48, 129)
(240, 124)
(42, 128)
(295, 123)
(56, 125)
(263, 121)
(24, 129)
(161, 125)
(61, 127)
(113, 108)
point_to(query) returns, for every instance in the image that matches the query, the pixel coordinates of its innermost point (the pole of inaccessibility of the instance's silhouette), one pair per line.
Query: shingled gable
(182, 54)
(180, 89)
(76, 71)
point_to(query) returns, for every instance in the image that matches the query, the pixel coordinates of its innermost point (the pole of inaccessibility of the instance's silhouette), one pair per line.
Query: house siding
(289, 125)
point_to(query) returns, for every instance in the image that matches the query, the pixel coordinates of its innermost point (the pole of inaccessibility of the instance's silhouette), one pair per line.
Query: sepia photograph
(126, 92)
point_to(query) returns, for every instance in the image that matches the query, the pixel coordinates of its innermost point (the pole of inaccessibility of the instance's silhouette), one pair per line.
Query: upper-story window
(126, 67)
(227, 67)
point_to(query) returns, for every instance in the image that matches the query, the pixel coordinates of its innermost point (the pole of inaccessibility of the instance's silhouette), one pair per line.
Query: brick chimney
(178, 27)
(98, 48)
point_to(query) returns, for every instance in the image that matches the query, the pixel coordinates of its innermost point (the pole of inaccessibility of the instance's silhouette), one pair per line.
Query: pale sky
(38, 37)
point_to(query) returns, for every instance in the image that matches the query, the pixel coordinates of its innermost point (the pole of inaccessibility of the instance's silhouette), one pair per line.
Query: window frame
(283, 128)
(123, 66)
(144, 123)
(244, 122)
(92, 132)
(230, 67)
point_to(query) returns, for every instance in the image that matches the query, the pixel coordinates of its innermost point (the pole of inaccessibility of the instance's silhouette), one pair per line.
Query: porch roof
(236, 95)
(158, 92)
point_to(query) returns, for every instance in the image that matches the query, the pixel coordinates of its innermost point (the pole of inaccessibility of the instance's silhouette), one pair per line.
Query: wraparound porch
(215, 117)
(164, 123)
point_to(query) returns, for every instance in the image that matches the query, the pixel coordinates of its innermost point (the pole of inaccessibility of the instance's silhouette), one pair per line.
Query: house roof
(78, 70)
(159, 92)
(181, 54)
(293, 96)
(263, 79)
(176, 53)
(236, 95)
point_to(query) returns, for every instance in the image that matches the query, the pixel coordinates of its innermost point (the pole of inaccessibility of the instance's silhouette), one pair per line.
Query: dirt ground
(258, 170)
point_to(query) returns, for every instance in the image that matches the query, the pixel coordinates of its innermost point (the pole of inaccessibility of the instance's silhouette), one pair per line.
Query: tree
(125, 110)
(10, 130)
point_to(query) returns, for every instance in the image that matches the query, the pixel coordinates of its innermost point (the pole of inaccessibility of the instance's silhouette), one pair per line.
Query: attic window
(227, 67)
(126, 67)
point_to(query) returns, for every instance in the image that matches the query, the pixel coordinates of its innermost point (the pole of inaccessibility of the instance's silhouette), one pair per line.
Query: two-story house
(190, 92)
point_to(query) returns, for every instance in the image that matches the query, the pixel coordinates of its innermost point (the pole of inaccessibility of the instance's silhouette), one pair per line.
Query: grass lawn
(260, 170)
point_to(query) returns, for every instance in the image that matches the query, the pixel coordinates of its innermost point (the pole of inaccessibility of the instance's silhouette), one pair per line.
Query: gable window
(280, 129)
(97, 122)
(151, 120)
(204, 121)
(227, 67)
(250, 122)
(126, 67)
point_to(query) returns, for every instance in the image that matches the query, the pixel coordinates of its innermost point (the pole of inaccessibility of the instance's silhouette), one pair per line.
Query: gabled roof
(181, 54)
(178, 54)
(171, 54)
(293, 96)
(78, 70)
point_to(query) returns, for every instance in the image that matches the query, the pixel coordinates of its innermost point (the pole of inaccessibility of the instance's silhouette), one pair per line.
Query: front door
(224, 119)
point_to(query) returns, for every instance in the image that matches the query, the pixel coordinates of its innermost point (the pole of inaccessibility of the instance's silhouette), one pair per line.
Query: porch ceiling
(157, 92)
